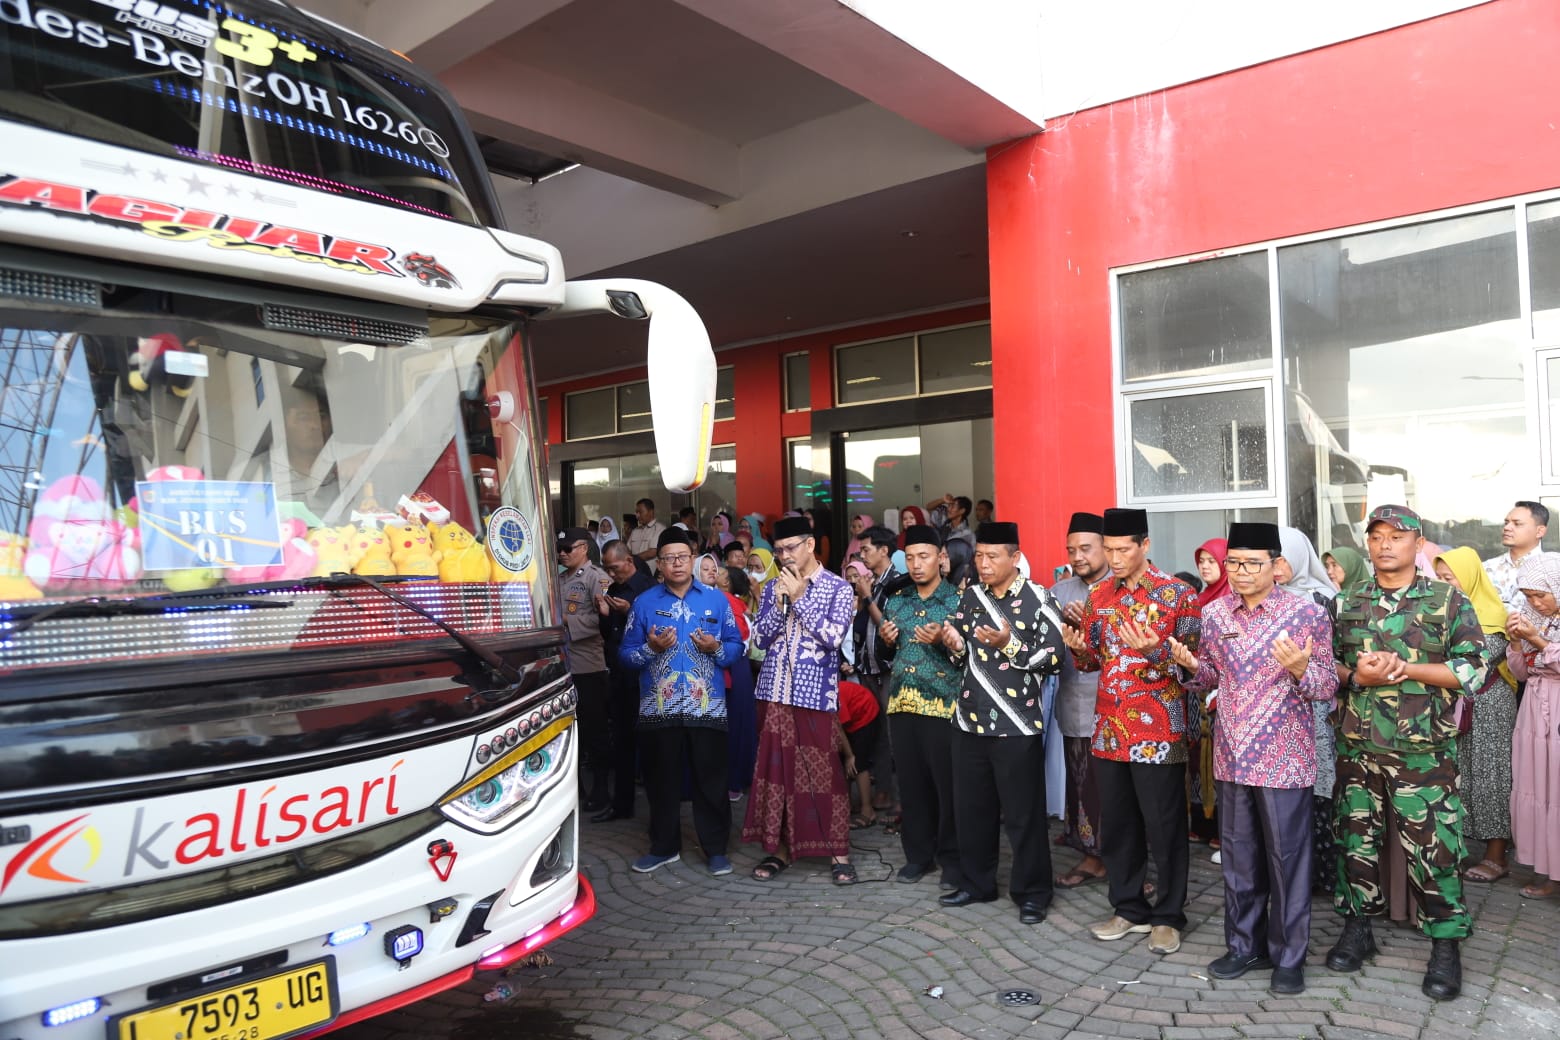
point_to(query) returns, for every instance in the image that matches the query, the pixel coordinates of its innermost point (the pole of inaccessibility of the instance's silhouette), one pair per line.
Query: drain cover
(1018, 997)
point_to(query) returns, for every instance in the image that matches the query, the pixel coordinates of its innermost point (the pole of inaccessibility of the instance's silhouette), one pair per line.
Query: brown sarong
(799, 800)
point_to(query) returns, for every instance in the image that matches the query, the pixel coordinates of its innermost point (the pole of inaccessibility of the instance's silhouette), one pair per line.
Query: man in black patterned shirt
(1007, 635)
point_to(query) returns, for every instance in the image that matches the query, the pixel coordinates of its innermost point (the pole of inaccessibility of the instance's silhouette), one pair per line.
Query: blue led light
(73, 1012)
(352, 933)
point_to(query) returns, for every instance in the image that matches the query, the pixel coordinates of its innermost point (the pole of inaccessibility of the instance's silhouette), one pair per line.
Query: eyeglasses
(789, 547)
(1246, 566)
(676, 558)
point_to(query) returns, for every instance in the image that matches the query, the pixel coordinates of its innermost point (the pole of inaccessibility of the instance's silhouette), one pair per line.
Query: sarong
(799, 800)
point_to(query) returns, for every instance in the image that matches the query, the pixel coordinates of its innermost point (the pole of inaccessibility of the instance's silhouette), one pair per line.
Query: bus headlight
(509, 788)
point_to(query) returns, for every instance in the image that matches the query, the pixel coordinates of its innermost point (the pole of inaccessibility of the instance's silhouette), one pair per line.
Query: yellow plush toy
(460, 557)
(332, 552)
(370, 551)
(411, 549)
(14, 585)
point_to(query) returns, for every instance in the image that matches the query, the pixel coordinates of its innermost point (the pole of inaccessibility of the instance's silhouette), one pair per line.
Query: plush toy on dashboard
(411, 550)
(74, 538)
(460, 557)
(370, 551)
(150, 364)
(332, 552)
(14, 585)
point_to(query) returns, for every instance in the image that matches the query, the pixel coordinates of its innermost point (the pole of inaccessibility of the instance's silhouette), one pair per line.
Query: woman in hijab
(761, 570)
(606, 532)
(1203, 819)
(753, 524)
(908, 516)
(858, 523)
(1346, 568)
(1484, 747)
(1534, 657)
(1300, 571)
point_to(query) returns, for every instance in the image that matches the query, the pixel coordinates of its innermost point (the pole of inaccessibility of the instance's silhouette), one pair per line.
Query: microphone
(785, 602)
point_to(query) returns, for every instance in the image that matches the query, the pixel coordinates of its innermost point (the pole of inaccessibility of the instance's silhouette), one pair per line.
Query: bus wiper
(18, 618)
(496, 665)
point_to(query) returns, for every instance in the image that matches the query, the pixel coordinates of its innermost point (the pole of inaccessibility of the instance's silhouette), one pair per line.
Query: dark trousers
(595, 690)
(625, 745)
(1002, 778)
(881, 753)
(664, 752)
(924, 746)
(1144, 805)
(1265, 852)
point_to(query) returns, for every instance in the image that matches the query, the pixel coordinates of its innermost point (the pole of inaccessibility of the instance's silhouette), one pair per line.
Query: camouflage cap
(1400, 517)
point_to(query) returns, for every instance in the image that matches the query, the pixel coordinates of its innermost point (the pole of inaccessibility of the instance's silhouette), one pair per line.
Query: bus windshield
(250, 86)
(172, 447)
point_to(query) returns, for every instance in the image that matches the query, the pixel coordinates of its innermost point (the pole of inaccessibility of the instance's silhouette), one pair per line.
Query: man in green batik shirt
(922, 690)
(1406, 649)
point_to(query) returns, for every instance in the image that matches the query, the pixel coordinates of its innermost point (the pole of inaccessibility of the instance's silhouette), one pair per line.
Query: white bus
(286, 734)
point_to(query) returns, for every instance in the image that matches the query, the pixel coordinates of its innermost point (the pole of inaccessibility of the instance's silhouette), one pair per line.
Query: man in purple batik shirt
(1268, 652)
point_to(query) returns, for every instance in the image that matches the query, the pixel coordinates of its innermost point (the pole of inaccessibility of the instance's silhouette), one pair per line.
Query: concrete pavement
(678, 953)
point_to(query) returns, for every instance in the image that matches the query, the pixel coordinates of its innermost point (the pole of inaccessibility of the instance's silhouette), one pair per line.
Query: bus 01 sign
(272, 1008)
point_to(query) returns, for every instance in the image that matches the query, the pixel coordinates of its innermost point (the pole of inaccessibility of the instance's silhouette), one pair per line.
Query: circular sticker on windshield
(509, 539)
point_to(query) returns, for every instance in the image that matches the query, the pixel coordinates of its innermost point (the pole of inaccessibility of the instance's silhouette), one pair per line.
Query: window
(880, 371)
(1543, 225)
(725, 393)
(1405, 365)
(958, 359)
(591, 413)
(1199, 444)
(935, 362)
(797, 369)
(633, 407)
(1197, 319)
(805, 483)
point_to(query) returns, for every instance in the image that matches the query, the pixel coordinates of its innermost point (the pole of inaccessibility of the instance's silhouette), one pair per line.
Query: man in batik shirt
(1006, 634)
(1406, 649)
(921, 691)
(1268, 652)
(1142, 717)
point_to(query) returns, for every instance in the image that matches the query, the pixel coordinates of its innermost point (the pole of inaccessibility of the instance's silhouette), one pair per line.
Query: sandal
(769, 868)
(1076, 878)
(1486, 871)
(1537, 891)
(843, 873)
(861, 821)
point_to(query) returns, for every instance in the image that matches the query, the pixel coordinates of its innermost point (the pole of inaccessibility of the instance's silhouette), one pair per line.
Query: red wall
(760, 428)
(1458, 109)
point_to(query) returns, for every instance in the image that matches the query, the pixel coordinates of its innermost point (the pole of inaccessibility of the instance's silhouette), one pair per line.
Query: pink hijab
(855, 543)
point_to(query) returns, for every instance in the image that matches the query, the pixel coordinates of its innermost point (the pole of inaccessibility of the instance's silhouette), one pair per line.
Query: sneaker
(1117, 928)
(1164, 939)
(719, 865)
(650, 861)
(1288, 981)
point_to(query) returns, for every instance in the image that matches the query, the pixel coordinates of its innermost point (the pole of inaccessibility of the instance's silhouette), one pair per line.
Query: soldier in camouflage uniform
(1406, 648)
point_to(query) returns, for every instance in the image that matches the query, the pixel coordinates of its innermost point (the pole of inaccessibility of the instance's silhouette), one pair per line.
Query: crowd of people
(1338, 723)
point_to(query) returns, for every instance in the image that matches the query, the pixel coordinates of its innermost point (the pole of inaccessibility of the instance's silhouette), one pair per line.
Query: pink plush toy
(74, 537)
(298, 558)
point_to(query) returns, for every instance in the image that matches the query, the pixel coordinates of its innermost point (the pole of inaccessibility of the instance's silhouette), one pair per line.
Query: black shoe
(1355, 944)
(1287, 981)
(963, 897)
(1443, 975)
(1231, 966)
(1030, 912)
(609, 814)
(910, 873)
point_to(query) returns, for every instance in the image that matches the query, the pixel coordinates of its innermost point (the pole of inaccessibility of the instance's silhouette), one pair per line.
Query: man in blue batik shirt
(680, 636)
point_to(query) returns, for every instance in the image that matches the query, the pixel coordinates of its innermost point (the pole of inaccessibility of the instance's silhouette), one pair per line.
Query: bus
(287, 736)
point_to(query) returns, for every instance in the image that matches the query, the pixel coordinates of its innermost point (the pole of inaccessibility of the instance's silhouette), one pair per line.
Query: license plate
(271, 1008)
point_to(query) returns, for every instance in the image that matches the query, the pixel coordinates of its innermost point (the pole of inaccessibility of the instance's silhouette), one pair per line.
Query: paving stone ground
(678, 953)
